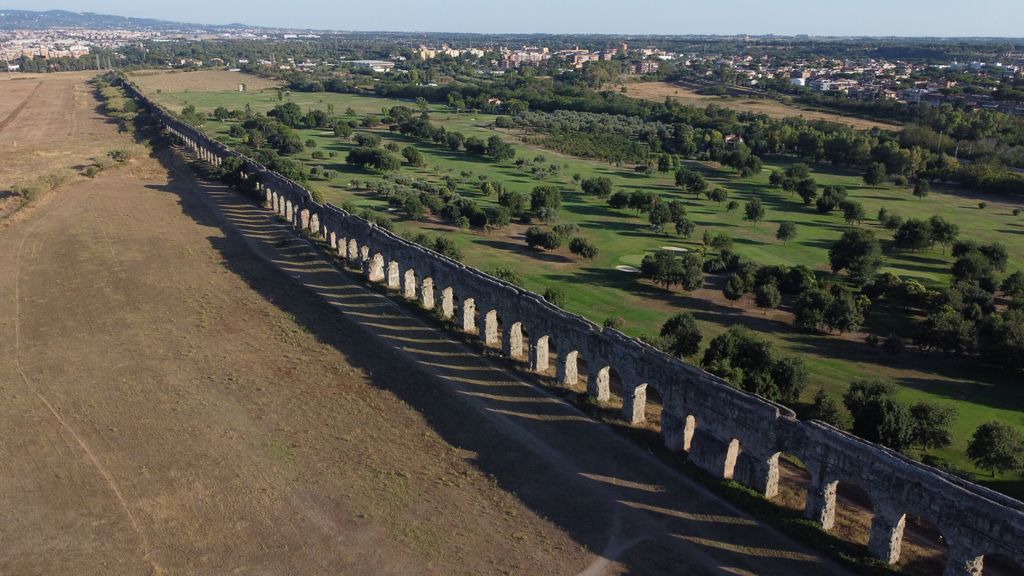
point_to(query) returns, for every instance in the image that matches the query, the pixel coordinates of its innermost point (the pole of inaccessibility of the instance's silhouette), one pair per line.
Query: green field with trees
(839, 270)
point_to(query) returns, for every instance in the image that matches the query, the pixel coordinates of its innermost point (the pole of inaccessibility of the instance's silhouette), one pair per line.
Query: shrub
(507, 275)
(616, 322)
(119, 155)
(583, 248)
(555, 296)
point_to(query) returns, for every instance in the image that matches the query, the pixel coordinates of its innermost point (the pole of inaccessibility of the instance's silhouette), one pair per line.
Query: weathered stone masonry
(725, 431)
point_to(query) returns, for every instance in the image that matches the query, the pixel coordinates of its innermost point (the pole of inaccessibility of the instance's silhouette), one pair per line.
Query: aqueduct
(725, 431)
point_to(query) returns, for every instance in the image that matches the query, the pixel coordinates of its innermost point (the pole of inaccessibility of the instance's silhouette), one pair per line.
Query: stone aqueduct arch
(722, 430)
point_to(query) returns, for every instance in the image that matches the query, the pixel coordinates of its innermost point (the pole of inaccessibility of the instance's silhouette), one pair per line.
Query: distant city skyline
(941, 18)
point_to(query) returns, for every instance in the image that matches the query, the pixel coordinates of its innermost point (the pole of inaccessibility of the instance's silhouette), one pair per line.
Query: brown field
(199, 81)
(659, 90)
(50, 123)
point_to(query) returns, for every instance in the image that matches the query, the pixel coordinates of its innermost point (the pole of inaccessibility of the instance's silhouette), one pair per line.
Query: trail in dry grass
(108, 478)
(14, 113)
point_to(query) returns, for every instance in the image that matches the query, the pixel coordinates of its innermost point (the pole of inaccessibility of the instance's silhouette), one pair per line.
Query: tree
(681, 335)
(786, 232)
(913, 235)
(853, 212)
(753, 211)
(545, 196)
(619, 200)
(500, 150)
(829, 410)
(810, 308)
(375, 158)
(659, 215)
(413, 156)
(807, 188)
(844, 313)
(750, 362)
(997, 447)
(342, 129)
(667, 269)
(734, 287)
(943, 231)
(685, 227)
(1013, 285)
(692, 276)
(600, 186)
(932, 425)
(719, 195)
(875, 174)
(643, 201)
(858, 252)
(583, 248)
(877, 417)
(455, 141)
(516, 202)
(832, 198)
(695, 183)
(767, 296)
(537, 237)
(921, 189)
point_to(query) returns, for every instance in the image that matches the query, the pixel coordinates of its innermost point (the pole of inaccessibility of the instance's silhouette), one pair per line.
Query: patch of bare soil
(658, 91)
(199, 81)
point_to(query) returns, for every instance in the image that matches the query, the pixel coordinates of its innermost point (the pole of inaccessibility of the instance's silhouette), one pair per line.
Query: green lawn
(597, 290)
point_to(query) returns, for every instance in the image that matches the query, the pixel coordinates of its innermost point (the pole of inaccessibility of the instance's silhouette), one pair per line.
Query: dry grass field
(160, 415)
(199, 81)
(659, 90)
(50, 124)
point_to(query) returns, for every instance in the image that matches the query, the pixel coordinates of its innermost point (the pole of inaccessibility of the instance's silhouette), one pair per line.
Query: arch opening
(448, 301)
(514, 341)
(599, 385)
(492, 329)
(469, 316)
(409, 284)
(352, 252)
(924, 549)
(393, 279)
(689, 429)
(540, 352)
(376, 268)
(732, 455)
(793, 483)
(427, 293)
(571, 369)
(853, 513)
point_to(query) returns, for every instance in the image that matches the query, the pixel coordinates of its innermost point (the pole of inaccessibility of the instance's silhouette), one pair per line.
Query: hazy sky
(816, 17)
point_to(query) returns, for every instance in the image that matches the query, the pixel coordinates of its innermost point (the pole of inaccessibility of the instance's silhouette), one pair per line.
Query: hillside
(33, 20)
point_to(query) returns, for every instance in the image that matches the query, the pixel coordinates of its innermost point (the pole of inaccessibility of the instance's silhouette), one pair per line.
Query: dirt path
(17, 110)
(640, 516)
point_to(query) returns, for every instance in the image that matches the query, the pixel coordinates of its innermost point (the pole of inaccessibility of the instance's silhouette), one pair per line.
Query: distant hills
(32, 20)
